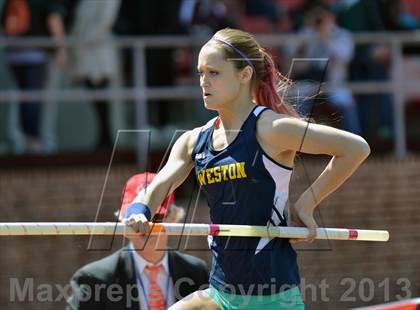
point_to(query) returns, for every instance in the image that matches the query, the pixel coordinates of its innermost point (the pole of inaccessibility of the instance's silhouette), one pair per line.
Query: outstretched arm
(172, 175)
(348, 151)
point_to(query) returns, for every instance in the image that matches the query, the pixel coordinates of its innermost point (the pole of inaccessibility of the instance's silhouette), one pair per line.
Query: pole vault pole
(177, 229)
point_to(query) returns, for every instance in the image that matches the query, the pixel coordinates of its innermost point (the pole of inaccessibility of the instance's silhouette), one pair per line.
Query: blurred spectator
(95, 65)
(297, 10)
(32, 18)
(396, 17)
(265, 16)
(204, 17)
(270, 9)
(158, 17)
(129, 270)
(371, 62)
(327, 47)
(11, 120)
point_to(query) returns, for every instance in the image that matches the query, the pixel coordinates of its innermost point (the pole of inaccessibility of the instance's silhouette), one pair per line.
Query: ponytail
(267, 90)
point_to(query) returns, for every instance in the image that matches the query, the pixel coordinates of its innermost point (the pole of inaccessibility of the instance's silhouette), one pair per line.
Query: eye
(199, 73)
(214, 72)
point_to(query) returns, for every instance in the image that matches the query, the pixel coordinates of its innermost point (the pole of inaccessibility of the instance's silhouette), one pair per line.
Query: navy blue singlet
(244, 186)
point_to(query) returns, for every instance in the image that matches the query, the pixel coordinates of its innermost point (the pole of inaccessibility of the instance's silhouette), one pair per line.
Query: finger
(311, 233)
(296, 223)
(141, 229)
(311, 225)
(131, 227)
(297, 240)
(133, 222)
(144, 225)
(128, 221)
(138, 222)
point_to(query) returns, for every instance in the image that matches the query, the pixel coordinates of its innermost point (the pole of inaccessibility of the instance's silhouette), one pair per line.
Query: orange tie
(155, 297)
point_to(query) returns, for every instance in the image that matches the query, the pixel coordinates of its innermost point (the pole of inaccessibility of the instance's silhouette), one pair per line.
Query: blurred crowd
(328, 54)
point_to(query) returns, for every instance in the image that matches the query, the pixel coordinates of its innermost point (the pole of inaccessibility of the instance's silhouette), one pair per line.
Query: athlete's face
(219, 79)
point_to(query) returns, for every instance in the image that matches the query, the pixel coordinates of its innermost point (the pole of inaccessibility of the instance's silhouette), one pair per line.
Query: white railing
(140, 93)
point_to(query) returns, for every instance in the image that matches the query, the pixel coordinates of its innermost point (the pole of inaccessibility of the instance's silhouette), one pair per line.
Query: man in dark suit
(124, 280)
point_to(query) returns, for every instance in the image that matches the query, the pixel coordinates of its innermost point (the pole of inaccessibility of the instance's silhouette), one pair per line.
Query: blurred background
(78, 78)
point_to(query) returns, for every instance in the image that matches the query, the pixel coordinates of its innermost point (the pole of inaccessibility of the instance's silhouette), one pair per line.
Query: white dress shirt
(162, 279)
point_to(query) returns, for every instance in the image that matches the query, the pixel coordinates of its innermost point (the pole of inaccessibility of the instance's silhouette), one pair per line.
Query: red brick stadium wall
(382, 194)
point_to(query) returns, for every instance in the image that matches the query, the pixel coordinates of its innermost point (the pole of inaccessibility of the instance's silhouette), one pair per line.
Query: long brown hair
(268, 83)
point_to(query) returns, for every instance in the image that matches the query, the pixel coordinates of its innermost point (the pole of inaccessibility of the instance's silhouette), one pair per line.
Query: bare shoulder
(188, 139)
(269, 118)
(192, 136)
(285, 132)
(270, 121)
(194, 133)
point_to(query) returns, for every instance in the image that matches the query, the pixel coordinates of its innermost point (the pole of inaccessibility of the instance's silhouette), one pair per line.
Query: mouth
(206, 95)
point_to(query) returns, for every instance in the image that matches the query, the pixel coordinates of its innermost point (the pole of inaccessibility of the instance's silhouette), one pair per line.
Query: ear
(246, 74)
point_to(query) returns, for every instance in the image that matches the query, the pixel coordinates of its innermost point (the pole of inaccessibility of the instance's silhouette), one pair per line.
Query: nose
(204, 81)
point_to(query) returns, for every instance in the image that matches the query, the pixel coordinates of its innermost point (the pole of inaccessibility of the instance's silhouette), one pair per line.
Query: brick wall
(382, 194)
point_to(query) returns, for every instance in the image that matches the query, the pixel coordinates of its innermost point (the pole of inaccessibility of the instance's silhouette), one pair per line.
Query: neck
(236, 112)
(152, 256)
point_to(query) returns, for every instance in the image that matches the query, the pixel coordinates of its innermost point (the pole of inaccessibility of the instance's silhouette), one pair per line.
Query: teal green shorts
(289, 299)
